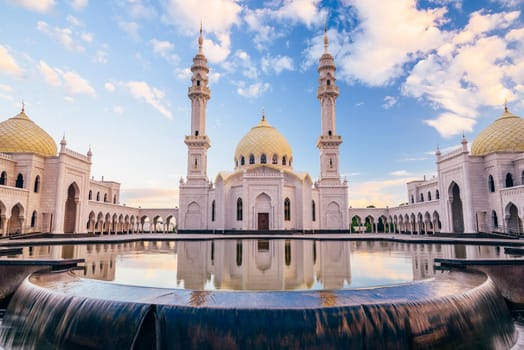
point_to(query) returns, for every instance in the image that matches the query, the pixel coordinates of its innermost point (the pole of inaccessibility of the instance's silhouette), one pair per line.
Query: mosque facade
(476, 189)
(48, 189)
(263, 192)
(45, 188)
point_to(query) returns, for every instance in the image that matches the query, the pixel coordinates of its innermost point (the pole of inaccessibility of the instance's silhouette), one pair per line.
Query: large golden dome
(20, 134)
(263, 139)
(506, 134)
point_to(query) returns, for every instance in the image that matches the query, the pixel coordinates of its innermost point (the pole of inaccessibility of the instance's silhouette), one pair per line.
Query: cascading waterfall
(454, 311)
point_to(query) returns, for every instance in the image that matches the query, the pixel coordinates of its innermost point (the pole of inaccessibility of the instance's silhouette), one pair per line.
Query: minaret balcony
(198, 141)
(329, 140)
(330, 90)
(198, 90)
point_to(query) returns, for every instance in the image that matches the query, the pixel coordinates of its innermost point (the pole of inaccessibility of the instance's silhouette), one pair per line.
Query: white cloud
(137, 9)
(36, 5)
(8, 63)
(79, 5)
(63, 35)
(87, 37)
(109, 86)
(164, 49)
(217, 16)
(6, 88)
(303, 11)
(131, 28)
(140, 90)
(75, 84)
(449, 124)
(74, 21)
(389, 101)
(277, 64)
(101, 57)
(118, 110)
(380, 193)
(399, 173)
(183, 73)
(69, 99)
(50, 75)
(253, 90)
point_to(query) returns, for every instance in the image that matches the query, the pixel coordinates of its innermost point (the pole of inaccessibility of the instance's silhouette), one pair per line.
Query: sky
(113, 75)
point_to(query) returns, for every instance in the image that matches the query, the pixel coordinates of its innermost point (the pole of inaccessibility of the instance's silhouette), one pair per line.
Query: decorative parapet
(512, 191)
(76, 155)
(13, 192)
(6, 156)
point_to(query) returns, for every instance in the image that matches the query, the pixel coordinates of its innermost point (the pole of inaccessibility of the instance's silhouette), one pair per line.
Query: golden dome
(263, 139)
(20, 134)
(506, 134)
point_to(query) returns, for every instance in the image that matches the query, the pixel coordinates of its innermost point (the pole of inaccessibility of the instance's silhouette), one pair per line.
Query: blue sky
(114, 75)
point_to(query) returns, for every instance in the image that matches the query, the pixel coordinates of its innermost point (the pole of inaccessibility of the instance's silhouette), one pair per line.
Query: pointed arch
(333, 216)
(19, 181)
(509, 180)
(239, 209)
(287, 209)
(71, 204)
(491, 183)
(3, 178)
(36, 187)
(457, 213)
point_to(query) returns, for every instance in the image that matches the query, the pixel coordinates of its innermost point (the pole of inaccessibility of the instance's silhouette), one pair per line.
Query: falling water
(456, 311)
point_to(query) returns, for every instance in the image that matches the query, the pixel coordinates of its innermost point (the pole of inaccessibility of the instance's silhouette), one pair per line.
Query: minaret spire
(326, 39)
(200, 40)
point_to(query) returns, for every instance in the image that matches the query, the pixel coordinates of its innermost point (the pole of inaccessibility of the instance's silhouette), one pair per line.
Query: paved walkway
(6, 242)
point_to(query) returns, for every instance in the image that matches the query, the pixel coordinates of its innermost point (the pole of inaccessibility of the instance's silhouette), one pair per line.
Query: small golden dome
(20, 134)
(506, 134)
(263, 139)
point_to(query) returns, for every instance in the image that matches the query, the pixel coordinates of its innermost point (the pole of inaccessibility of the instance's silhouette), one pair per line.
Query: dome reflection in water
(450, 310)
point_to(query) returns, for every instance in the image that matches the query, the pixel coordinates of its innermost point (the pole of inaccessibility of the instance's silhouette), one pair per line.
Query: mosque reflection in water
(260, 264)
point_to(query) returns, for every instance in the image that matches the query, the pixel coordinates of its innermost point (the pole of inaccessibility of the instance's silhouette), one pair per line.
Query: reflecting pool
(261, 264)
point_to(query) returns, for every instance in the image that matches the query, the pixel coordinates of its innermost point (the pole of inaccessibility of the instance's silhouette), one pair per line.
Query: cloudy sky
(113, 75)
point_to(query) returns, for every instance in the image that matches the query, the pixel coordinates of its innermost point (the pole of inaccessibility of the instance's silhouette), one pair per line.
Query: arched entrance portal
(457, 214)
(333, 216)
(262, 210)
(512, 218)
(70, 209)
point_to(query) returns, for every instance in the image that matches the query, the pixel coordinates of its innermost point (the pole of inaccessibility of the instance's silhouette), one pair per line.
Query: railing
(452, 152)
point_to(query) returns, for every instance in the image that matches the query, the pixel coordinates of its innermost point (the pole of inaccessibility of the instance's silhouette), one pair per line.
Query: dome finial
(200, 39)
(263, 115)
(506, 105)
(23, 106)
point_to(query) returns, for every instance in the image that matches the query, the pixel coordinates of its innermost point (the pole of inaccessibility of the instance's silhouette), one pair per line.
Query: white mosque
(45, 189)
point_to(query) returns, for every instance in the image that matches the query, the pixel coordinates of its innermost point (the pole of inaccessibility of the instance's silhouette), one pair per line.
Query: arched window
(114, 199)
(251, 159)
(284, 160)
(437, 194)
(33, 219)
(494, 219)
(3, 178)
(313, 211)
(491, 184)
(90, 195)
(198, 82)
(522, 178)
(98, 196)
(213, 211)
(412, 199)
(330, 132)
(287, 209)
(509, 180)
(196, 132)
(105, 197)
(37, 184)
(263, 159)
(20, 181)
(275, 161)
(422, 197)
(239, 209)
(242, 160)
(329, 82)
(429, 196)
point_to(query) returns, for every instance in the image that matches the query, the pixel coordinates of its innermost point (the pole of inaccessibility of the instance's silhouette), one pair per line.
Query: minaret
(199, 93)
(327, 93)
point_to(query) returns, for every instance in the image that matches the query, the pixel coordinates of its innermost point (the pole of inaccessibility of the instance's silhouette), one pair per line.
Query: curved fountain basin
(454, 310)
